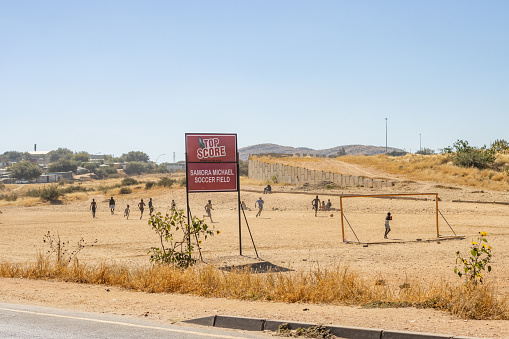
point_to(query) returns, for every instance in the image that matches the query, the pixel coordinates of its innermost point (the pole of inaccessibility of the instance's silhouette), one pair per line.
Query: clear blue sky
(116, 76)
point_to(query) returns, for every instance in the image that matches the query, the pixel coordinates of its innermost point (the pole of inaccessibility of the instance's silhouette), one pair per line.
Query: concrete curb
(257, 324)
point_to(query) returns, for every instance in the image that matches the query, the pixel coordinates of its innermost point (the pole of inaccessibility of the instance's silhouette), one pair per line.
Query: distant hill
(349, 149)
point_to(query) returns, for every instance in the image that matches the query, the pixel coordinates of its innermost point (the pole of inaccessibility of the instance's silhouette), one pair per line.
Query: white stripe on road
(119, 323)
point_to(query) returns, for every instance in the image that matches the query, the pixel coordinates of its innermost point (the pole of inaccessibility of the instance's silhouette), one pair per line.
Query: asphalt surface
(24, 321)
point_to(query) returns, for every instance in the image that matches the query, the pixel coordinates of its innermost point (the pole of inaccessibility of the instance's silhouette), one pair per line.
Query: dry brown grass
(320, 286)
(414, 167)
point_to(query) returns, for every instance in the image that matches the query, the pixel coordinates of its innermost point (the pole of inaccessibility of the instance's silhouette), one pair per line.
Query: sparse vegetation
(464, 155)
(136, 167)
(316, 331)
(166, 182)
(125, 190)
(176, 238)
(339, 285)
(129, 182)
(62, 250)
(475, 265)
(13, 196)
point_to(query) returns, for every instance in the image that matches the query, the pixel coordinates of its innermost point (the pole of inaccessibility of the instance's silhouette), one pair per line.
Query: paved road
(22, 321)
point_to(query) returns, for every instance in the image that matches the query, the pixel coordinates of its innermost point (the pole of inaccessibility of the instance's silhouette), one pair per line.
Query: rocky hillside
(349, 150)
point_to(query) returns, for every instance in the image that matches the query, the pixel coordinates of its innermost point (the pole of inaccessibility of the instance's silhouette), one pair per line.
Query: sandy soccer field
(287, 235)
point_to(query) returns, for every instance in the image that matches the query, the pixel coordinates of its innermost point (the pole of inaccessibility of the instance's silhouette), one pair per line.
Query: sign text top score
(211, 148)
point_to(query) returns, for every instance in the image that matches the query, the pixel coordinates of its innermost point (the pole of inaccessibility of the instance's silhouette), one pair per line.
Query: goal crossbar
(384, 196)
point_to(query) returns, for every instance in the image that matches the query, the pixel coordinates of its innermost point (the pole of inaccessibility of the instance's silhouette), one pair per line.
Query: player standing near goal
(387, 227)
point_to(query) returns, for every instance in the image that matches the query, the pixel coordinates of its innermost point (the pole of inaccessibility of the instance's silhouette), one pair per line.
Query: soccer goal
(417, 223)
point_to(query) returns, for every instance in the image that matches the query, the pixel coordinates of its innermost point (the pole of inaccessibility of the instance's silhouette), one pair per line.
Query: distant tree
(161, 168)
(61, 153)
(137, 167)
(14, 156)
(397, 153)
(243, 168)
(135, 156)
(81, 157)
(425, 151)
(500, 146)
(465, 155)
(341, 152)
(90, 166)
(103, 172)
(25, 170)
(63, 165)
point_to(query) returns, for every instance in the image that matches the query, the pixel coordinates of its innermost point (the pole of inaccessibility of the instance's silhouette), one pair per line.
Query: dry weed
(330, 286)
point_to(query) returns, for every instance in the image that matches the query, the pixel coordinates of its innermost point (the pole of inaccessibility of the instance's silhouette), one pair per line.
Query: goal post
(385, 196)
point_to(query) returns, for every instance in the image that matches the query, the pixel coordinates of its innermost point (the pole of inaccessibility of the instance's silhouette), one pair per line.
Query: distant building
(62, 175)
(39, 157)
(176, 166)
(46, 178)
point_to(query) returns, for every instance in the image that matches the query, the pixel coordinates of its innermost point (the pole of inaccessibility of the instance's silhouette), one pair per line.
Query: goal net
(415, 217)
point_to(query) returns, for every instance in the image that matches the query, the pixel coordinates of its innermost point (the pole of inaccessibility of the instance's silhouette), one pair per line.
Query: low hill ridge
(349, 149)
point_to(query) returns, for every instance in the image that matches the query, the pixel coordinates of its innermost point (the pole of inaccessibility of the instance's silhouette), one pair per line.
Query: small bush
(50, 193)
(105, 172)
(135, 167)
(72, 189)
(182, 182)
(125, 190)
(103, 188)
(149, 185)
(129, 182)
(166, 182)
(467, 156)
(9, 197)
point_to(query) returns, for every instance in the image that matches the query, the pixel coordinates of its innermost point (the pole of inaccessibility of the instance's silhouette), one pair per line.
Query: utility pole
(385, 135)
(420, 147)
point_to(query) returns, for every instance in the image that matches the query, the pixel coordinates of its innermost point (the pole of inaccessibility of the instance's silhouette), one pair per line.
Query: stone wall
(259, 170)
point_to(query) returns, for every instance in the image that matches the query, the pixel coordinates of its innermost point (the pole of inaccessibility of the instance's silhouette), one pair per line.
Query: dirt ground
(287, 235)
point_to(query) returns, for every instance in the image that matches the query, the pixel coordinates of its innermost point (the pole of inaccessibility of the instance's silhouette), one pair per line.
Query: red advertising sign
(211, 161)
(211, 177)
(211, 147)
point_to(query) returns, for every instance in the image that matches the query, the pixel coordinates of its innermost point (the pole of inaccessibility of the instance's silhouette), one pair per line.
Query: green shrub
(129, 182)
(72, 189)
(63, 165)
(162, 169)
(465, 155)
(149, 185)
(9, 197)
(103, 188)
(33, 193)
(243, 168)
(50, 193)
(182, 181)
(25, 170)
(105, 172)
(136, 167)
(166, 182)
(125, 190)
